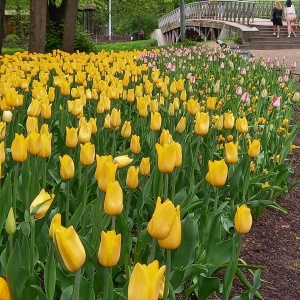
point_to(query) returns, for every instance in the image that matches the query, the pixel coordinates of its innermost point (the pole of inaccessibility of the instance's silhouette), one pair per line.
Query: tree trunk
(2, 23)
(37, 33)
(56, 16)
(70, 25)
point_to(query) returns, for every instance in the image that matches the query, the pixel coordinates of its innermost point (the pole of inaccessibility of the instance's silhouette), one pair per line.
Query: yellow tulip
(122, 161)
(254, 148)
(55, 224)
(4, 289)
(154, 106)
(34, 108)
(145, 281)
(110, 248)
(87, 154)
(178, 151)
(113, 201)
(65, 88)
(2, 130)
(173, 240)
(44, 129)
(85, 133)
(142, 107)
(32, 124)
(243, 219)
(115, 118)
(202, 123)
(171, 110)
(19, 148)
(155, 122)
(105, 171)
(10, 224)
(45, 145)
(180, 85)
(228, 120)
(93, 125)
(34, 144)
(144, 168)
(70, 248)
(181, 125)
(173, 89)
(71, 137)
(159, 227)
(126, 130)
(211, 103)
(165, 137)
(193, 107)
(231, 152)
(100, 107)
(41, 204)
(135, 146)
(46, 110)
(132, 179)
(2, 153)
(67, 167)
(217, 172)
(166, 157)
(183, 96)
(107, 124)
(219, 123)
(241, 125)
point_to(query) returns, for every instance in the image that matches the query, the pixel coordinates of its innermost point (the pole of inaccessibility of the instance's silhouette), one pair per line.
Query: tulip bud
(254, 148)
(41, 204)
(217, 87)
(245, 97)
(144, 168)
(7, 116)
(132, 179)
(264, 93)
(239, 90)
(10, 224)
(71, 137)
(122, 161)
(19, 148)
(276, 102)
(110, 248)
(115, 118)
(70, 249)
(135, 146)
(181, 125)
(126, 130)
(296, 97)
(113, 201)
(243, 219)
(67, 167)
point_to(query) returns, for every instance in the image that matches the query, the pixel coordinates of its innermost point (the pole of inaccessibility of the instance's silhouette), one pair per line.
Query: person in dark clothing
(277, 18)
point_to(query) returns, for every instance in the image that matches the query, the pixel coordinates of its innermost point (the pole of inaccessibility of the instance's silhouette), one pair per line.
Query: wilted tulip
(110, 248)
(132, 179)
(159, 227)
(202, 123)
(67, 167)
(71, 137)
(241, 125)
(166, 157)
(155, 122)
(243, 219)
(231, 152)
(173, 240)
(217, 172)
(113, 201)
(87, 154)
(122, 161)
(10, 225)
(70, 248)
(145, 281)
(135, 146)
(41, 204)
(19, 148)
(254, 148)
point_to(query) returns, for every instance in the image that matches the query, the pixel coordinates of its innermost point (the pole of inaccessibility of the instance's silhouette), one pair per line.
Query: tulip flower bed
(135, 175)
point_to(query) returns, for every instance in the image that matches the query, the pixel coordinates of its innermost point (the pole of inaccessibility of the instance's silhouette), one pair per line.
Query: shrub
(12, 41)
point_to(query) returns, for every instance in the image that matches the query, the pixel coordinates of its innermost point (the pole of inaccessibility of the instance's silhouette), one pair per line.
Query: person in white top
(290, 15)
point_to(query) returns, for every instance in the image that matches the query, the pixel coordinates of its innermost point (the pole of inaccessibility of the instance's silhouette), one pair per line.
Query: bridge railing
(227, 10)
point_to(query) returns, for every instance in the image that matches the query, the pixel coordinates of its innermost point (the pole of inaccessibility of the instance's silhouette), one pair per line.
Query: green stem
(32, 243)
(76, 289)
(67, 204)
(174, 174)
(194, 164)
(113, 143)
(91, 286)
(44, 173)
(97, 224)
(152, 253)
(32, 195)
(105, 292)
(113, 222)
(15, 189)
(166, 185)
(168, 270)
(11, 245)
(85, 196)
(216, 201)
(128, 204)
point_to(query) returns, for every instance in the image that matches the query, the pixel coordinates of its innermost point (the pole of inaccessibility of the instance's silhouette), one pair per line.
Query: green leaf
(77, 215)
(209, 285)
(67, 293)
(50, 273)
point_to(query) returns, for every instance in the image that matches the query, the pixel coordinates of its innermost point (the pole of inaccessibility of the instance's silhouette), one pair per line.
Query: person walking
(290, 15)
(277, 18)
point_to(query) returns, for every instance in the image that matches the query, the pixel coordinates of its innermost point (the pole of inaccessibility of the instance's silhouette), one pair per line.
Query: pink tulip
(245, 97)
(276, 101)
(239, 90)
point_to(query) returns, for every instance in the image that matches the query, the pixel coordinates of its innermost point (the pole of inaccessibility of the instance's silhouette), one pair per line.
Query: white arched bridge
(210, 20)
